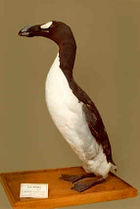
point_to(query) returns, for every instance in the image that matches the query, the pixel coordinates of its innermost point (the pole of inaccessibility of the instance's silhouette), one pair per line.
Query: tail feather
(114, 167)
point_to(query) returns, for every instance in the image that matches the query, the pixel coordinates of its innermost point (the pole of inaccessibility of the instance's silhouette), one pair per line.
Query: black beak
(25, 31)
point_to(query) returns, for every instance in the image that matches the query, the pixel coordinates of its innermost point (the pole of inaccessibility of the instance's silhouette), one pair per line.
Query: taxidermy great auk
(71, 109)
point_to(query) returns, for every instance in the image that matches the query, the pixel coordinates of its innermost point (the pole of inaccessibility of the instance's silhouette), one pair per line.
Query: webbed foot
(87, 183)
(71, 178)
(74, 178)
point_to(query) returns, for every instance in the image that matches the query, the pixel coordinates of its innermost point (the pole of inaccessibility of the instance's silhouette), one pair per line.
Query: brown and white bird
(72, 111)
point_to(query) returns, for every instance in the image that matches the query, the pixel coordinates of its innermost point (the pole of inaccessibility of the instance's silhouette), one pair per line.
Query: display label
(33, 190)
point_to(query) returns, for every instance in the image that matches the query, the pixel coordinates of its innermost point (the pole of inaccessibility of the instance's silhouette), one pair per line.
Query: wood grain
(60, 194)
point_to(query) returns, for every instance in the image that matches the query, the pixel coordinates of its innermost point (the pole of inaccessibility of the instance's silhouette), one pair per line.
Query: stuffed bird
(73, 112)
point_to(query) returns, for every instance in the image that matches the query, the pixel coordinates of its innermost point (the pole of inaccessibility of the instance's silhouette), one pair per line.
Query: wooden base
(60, 194)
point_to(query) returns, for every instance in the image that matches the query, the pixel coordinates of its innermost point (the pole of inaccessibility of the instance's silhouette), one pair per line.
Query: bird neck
(67, 52)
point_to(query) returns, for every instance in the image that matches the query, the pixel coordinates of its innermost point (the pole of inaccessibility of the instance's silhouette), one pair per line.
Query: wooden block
(60, 194)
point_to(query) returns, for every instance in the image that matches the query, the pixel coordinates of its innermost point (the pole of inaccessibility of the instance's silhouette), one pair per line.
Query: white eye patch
(46, 25)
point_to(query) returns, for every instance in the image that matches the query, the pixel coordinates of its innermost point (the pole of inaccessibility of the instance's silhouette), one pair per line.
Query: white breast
(67, 114)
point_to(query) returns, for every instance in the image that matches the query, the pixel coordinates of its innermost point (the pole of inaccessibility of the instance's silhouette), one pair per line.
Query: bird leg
(74, 178)
(87, 183)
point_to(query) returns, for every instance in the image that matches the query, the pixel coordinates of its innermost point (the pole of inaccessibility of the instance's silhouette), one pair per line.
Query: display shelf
(60, 193)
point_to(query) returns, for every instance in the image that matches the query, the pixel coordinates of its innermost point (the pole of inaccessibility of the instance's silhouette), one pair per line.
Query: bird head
(54, 30)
